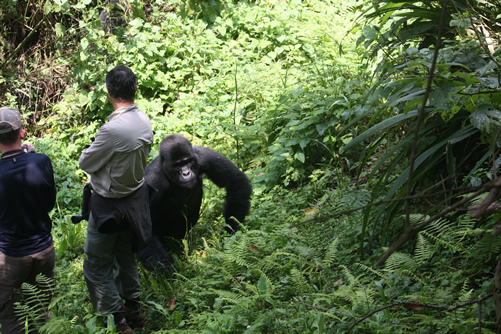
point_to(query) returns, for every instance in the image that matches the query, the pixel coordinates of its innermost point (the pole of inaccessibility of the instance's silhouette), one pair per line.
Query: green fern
(373, 271)
(229, 296)
(354, 291)
(355, 199)
(466, 288)
(400, 261)
(331, 253)
(350, 278)
(438, 227)
(237, 251)
(34, 306)
(489, 245)
(307, 252)
(449, 234)
(356, 296)
(269, 262)
(464, 228)
(299, 282)
(423, 250)
(416, 219)
(59, 325)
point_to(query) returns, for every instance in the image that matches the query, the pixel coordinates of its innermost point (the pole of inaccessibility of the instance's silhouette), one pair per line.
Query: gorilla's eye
(182, 162)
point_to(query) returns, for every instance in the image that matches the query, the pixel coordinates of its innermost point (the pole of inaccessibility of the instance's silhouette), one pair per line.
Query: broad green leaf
(438, 97)
(60, 30)
(47, 8)
(83, 56)
(377, 128)
(299, 156)
(84, 43)
(461, 133)
(484, 116)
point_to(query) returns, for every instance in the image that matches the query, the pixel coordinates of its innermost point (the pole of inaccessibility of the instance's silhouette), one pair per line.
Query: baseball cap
(10, 120)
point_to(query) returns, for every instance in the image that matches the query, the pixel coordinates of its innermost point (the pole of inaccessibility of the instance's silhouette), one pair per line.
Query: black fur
(177, 175)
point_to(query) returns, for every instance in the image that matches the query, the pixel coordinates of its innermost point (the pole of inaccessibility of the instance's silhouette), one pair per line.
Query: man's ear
(22, 134)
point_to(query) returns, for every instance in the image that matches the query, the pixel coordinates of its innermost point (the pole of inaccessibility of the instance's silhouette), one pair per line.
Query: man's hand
(28, 148)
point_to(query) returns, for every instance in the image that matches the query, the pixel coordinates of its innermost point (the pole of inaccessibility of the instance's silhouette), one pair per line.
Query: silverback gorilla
(176, 177)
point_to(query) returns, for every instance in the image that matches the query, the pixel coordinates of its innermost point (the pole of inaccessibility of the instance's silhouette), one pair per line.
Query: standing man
(27, 195)
(119, 222)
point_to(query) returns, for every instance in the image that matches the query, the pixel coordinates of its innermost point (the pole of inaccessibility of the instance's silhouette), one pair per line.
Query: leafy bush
(435, 108)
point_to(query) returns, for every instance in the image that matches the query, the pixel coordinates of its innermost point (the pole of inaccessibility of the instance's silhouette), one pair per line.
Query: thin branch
(442, 308)
(480, 92)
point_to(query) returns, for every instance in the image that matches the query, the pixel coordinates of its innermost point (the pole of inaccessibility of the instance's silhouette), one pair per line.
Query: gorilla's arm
(226, 175)
(155, 178)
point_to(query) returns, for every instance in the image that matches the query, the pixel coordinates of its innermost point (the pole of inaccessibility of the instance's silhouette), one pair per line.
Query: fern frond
(228, 295)
(269, 261)
(409, 273)
(299, 281)
(351, 280)
(489, 245)
(466, 295)
(477, 199)
(237, 251)
(59, 325)
(423, 250)
(375, 272)
(347, 294)
(438, 227)
(270, 285)
(33, 308)
(355, 199)
(466, 287)
(416, 219)
(331, 252)
(444, 243)
(400, 261)
(306, 252)
(357, 296)
(464, 228)
(186, 279)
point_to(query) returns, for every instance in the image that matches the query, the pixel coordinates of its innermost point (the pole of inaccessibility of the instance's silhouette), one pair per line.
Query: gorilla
(176, 179)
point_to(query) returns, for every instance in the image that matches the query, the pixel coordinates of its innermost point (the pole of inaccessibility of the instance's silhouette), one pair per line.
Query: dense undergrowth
(318, 106)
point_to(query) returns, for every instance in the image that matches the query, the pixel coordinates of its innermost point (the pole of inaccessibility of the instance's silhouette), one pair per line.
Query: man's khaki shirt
(116, 160)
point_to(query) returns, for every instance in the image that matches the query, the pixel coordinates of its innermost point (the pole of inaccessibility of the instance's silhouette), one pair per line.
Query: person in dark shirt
(27, 195)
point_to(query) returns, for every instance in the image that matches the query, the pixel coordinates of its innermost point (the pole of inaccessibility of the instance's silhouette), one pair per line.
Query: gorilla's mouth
(188, 183)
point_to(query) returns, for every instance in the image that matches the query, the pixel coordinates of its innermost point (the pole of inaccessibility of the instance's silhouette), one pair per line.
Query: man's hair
(9, 138)
(122, 84)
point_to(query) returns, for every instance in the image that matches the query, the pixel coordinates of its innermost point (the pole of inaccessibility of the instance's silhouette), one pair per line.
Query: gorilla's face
(179, 162)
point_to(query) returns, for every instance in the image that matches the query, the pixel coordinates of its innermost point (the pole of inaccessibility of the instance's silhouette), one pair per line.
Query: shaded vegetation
(366, 127)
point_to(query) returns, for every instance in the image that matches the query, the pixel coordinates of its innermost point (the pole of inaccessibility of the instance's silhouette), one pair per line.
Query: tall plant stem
(421, 111)
(235, 108)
